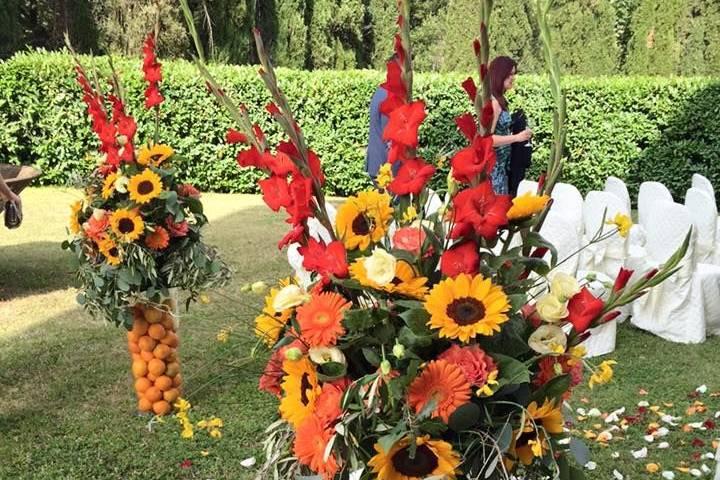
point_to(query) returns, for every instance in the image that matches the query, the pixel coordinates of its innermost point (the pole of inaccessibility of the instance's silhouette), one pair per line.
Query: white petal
(643, 404)
(248, 462)
(581, 411)
(664, 445)
(615, 455)
(591, 465)
(618, 475)
(710, 456)
(668, 475)
(696, 424)
(642, 453)
(695, 472)
(356, 474)
(649, 438)
(701, 389)
(662, 431)
(594, 413)
(705, 469)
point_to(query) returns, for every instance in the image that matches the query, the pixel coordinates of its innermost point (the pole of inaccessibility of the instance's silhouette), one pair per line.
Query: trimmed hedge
(633, 127)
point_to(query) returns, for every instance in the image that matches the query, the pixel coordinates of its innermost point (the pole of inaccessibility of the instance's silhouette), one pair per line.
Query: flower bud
(399, 350)
(258, 287)
(122, 140)
(452, 185)
(293, 354)
(385, 367)
(245, 288)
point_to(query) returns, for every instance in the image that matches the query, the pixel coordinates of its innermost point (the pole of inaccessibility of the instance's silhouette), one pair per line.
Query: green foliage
(637, 128)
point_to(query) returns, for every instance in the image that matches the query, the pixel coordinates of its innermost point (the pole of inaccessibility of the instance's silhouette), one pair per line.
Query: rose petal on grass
(668, 475)
(248, 462)
(652, 467)
(591, 465)
(649, 438)
(618, 475)
(643, 404)
(642, 453)
(594, 412)
(663, 445)
(702, 389)
(642, 391)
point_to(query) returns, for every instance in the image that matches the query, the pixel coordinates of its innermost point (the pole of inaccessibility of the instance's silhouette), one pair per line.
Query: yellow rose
(551, 309)
(564, 286)
(380, 267)
(289, 297)
(548, 339)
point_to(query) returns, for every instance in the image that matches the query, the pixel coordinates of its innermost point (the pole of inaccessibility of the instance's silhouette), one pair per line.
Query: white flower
(551, 309)
(642, 453)
(98, 213)
(564, 286)
(380, 267)
(248, 462)
(288, 297)
(121, 184)
(321, 355)
(548, 339)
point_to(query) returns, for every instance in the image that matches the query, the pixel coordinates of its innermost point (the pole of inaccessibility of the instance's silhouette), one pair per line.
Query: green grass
(66, 400)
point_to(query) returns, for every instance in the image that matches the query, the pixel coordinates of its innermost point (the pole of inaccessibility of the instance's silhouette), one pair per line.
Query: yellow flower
(548, 415)
(564, 286)
(527, 205)
(364, 219)
(182, 405)
(604, 373)
(155, 155)
(551, 309)
(466, 306)
(576, 354)
(76, 208)
(126, 224)
(433, 458)
(109, 185)
(109, 248)
(406, 281)
(215, 423)
(384, 176)
(380, 267)
(145, 186)
(409, 215)
(301, 388)
(270, 323)
(623, 224)
(486, 390)
(215, 433)
(223, 335)
(548, 339)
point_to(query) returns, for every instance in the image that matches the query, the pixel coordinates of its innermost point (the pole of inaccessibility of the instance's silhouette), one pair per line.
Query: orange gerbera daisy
(311, 440)
(320, 319)
(443, 381)
(158, 239)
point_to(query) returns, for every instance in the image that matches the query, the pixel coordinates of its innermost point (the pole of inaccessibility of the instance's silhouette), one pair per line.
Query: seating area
(685, 308)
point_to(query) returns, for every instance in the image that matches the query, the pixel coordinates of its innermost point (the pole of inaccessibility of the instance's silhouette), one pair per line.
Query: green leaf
(510, 370)
(427, 410)
(464, 417)
(408, 338)
(386, 442)
(358, 320)
(434, 427)
(504, 437)
(329, 371)
(372, 357)
(579, 450)
(416, 319)
(552, 390)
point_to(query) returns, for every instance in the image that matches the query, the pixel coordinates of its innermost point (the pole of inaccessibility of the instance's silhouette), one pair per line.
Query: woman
(502, 72)
(8, 195)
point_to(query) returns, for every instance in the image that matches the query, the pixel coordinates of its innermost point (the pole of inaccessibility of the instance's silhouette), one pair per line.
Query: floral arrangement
(137, 237)
(421, 337)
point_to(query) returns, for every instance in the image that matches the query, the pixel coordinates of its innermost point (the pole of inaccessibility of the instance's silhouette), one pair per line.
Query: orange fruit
(164, 383)
(156, 367)
(142, 384)
(144, 405)
(156, 331)
(146, 343)
(136, 356)
(153, 315)
(161, 407)
(171, 339)
(167, 322)
(151, 377)
(147, 356)
(138, 314)
(133, 347)
(171, 395)
(173, 368)
(162, 351)
(177, 381)
(153, 394)
(139, 327)
(139, 368)
(132, 337)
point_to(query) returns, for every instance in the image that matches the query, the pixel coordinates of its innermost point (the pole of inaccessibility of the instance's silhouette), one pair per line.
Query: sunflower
(311, 440)
(301, 388)
(126, 224)
(465, 306)
(144, 186)
(269, 323)
(363, 219)
(76, 208)
(442, 381)
(524, 447)
(433, 458)
(320, 319)
(109, 185)
(527, 205)
(109, 248)
(157, 240)
(548, 415)
(406, 281)
(154, 155)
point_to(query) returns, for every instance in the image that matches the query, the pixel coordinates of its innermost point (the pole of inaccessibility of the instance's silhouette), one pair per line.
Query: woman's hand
(523, 136)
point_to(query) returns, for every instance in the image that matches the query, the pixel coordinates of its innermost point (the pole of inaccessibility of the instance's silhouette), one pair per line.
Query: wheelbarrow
(17, 177)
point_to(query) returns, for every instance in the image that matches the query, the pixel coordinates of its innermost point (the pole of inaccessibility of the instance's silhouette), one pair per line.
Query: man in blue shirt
(377, 150)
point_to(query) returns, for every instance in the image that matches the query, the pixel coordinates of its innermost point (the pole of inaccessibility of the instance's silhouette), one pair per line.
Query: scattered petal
(591, 465)
(618, 475)
(594, 412)
(670, 420)
(652, 467)
(615, 455)
(710, 456)
(696, 473)
(605, 436)
(649, 438)
(204, 453)
(662, 431)
(643, 404)
(581, 411)
(642, 391)
(701, 389)
(248, 462)
(705, 469)
(697, 442)
(642, 453)
(668, 475)
(663, 445)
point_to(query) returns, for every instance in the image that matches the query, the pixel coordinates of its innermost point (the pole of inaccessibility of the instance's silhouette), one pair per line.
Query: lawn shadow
(32, 268)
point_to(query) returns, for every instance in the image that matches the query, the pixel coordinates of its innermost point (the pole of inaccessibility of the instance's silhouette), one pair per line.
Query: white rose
(380, 267)
(551, 309)
(121, 184)
(289, 297)
(99, 213)
(564, 286)
(320, 355)
(548, 339)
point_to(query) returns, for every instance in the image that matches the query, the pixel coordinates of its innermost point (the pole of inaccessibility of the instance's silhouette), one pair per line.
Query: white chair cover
(674, 310)
(617, 187)
(650, 193)
(606, 256)
(568, 204)
(527, 186)
(602, 338)
(703, 212)
(701, 182)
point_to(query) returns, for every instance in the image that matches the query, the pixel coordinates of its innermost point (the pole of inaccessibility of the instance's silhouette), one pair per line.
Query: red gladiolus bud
(610, 316)
(272, 109)
(233, 136)
(476, 47)
(483, 71)
(651, 274)
(539, 252)
(541, 181)
(622, 279)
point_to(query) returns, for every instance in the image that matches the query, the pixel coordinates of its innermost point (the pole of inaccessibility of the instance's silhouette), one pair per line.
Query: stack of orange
(153, 345)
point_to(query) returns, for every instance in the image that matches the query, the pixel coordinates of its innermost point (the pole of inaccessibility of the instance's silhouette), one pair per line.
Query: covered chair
(650, 193)
(702, 183)
(602, 338)
(703, 213)
(618, 188)
(605, 256)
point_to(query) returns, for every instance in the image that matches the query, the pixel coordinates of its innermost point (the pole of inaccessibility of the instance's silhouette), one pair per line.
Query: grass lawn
(66, 401)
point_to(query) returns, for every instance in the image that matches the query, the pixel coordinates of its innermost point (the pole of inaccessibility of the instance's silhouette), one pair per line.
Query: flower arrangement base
(153, 343)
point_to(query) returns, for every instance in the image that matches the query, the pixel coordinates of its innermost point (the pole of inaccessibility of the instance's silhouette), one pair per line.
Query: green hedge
(632, 127)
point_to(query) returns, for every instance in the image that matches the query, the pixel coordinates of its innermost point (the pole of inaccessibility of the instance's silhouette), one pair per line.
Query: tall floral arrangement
(421, 337)
(137, 234)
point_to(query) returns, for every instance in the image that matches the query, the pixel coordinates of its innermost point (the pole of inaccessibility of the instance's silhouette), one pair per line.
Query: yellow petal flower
(527, 205)
(603, 374)
(622, 222)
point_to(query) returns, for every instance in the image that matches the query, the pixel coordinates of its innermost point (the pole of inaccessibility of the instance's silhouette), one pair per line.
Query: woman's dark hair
(499, 70)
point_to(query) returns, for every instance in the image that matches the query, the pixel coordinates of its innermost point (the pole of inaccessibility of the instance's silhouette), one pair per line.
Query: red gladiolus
(403, 124)
(470, 162)
(462, 258)
(583, 308)
(152, 73)
(153, 97)
(651, 273)
(280, 164)
(469, 86)
(487, 115)
(412, 177)
(325, 260)
(467, 126)
(410, 239)
(292, 236)
(541, 181)
(233, 136)
(482, 209)
(301, 206)
(187, 190)
(610, 316)
(276, 192)
(622, 279)
(250, 158)
(176, 229)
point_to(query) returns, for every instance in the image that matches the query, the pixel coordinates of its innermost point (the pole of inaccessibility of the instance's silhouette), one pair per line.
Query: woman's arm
(8, 194)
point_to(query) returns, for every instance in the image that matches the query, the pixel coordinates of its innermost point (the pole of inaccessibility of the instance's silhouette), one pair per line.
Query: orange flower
(443, 381)
(321, 319)
(327, 407)
(158, 239)
(311, 440)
